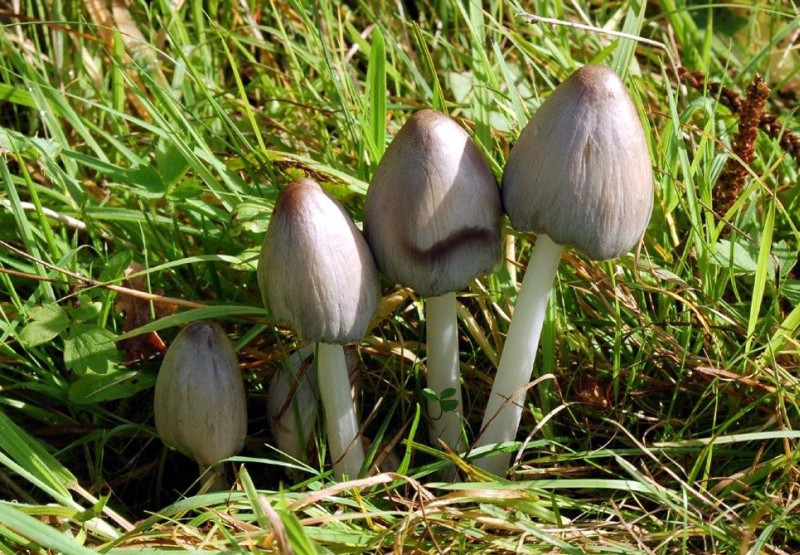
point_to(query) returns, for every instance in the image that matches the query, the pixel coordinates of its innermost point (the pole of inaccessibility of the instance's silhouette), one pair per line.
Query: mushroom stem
(215, 476)
(347, 453)
(501, 419)
(443, 369)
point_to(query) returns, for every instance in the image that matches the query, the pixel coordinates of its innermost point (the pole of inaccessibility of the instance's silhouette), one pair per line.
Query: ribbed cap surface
(200, 404)
(581, 170)
(315, 271)
(433, 215)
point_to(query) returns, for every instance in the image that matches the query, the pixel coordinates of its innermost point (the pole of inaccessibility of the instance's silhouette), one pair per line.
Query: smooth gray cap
(580, 171)
(433, 215)
(315, 271)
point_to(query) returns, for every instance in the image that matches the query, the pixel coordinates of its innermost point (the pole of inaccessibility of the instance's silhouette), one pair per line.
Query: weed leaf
(46, 323)
(88, 347)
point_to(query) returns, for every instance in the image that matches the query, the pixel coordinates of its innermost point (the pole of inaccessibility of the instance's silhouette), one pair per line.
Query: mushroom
(580, 176)
(316, 274)
(433, 219)
(200, 406)
(293, 404)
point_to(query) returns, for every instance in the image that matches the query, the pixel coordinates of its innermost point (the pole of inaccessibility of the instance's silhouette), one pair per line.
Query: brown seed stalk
(732, 180)
(788, 140)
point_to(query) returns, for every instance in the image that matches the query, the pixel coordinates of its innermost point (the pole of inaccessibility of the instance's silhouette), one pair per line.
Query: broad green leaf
(87, 309)
(250, 216)
(171, 164)
(741, 257)
(46, 323)
(145, 180)
(249, 259)
(734, 256)
(148, 180)
(95, 388)
(186, 189)
(88, 347)
(429, 394)
(449, 405)
(786, 257)
(115, 266)
(461, 84)
(29, 147)
(790, 288)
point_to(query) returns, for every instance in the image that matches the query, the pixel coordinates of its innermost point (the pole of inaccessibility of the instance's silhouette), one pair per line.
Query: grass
(664, 415)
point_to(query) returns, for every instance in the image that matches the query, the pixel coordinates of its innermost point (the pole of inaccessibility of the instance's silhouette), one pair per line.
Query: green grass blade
(32, 456)
(209, 312)
(762, 272)
(634, 21)
(438, 101)
(253, 498)
(376, 93)
(38, 532)
(24, 226)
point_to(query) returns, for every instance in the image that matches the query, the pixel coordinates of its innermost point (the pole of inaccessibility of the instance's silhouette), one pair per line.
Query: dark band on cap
(467, 237)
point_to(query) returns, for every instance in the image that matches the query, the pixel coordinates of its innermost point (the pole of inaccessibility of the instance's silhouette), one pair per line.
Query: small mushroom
(433, 219)
(200, 406)
(316, 274)
(580, 176)
(293, 404)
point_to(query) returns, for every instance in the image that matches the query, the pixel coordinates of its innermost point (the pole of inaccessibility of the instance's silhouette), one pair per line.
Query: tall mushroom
(433, 219)
(200, 406)
(580, 175)
(317, 275)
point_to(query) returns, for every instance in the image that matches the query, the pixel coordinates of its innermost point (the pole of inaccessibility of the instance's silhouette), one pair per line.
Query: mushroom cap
(315, 271)
(433, 216)
(581, 170)
(200, 405)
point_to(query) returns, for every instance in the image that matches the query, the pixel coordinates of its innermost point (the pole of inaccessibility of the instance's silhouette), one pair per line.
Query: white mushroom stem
(347, 452)
(507, 398)
(443, 369)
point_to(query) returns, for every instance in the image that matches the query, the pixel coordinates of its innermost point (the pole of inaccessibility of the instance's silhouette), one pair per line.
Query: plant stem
(501, 419)
(443, 370)
(344, 443)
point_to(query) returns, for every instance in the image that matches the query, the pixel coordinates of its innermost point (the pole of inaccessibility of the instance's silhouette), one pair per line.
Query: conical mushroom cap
(581, 171)
(315, 271)
(200, 404)
(433, 216)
